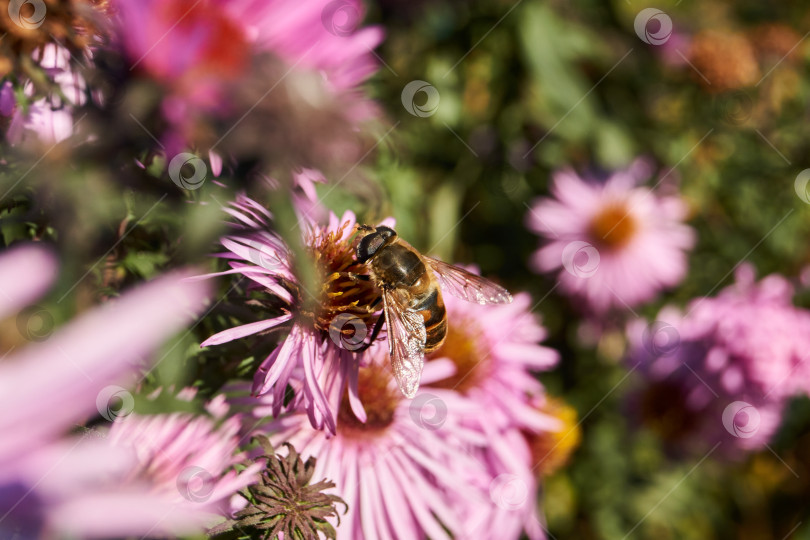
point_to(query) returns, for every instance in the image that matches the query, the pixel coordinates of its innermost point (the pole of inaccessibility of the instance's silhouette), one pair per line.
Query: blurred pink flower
(674, 50)
(8, 101)
(320, 35)
(49, 386)
(192, 46)
(195, 46)
(400, 471)
(312, 347)
(50, 119)
(615, 244)
(723, 371)
(189, 457)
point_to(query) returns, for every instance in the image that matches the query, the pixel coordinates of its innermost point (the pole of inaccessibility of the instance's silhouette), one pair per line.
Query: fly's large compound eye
(386, 232)
(369, 245)
(372, 242)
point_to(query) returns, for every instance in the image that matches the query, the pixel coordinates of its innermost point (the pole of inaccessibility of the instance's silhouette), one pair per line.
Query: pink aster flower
(186, 458)
(492, 351)
(507, 506)
(723, 371)
(147, 475)
(400, 471)
(52, 485)
(489, 357)
(614, 244)
(316, 347)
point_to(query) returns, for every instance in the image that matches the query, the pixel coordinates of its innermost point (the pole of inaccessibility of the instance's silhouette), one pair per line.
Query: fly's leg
(374, 333)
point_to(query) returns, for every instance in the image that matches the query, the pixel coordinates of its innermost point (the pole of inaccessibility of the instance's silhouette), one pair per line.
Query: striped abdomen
(431, 307)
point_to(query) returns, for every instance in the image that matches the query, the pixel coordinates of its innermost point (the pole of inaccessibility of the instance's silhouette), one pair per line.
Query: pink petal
(244, 330)
(26, 272)
(99, 349)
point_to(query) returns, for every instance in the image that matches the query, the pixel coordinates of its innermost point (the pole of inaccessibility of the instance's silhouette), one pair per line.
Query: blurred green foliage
(525, 88)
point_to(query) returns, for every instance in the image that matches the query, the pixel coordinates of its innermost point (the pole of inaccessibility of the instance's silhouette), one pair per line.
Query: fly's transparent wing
(406, 342)
(466, 285)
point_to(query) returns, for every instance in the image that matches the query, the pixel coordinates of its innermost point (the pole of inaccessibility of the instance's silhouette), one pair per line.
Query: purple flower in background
(291, 64)
(614, 244)
(723, 371)
(317, 347)
(54, 485)
(403, 469)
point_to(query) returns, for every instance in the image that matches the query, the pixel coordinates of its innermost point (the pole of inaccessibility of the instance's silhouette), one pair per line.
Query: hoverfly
(413, 309)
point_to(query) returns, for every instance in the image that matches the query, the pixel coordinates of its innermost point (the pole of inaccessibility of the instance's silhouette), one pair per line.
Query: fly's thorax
(398, 265)
(400, 268)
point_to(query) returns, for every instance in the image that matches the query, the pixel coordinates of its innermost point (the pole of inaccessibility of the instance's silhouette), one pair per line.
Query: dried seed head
(284, 501)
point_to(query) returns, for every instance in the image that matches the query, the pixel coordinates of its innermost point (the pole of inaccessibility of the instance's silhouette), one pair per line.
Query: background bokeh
(575, 76)
(525, 88)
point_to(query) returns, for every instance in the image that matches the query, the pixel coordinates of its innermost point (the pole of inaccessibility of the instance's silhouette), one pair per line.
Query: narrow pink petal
(367, 503)
(280, 388)
(216, 163)
(269, 370)
(354, 394)
(244, 330)
(126, 513)
(378, 504)
(398, 510)
(241, 217)
(423, 515)
(320, 405)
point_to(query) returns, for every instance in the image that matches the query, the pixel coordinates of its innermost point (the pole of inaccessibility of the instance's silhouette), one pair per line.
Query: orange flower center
(380, 400)
(613, 227)
(333, 260)
(551, 449)
(464, 350)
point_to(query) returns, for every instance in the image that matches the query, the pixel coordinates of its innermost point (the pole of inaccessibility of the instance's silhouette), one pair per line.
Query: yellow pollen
(613, 227)
(333, 258)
